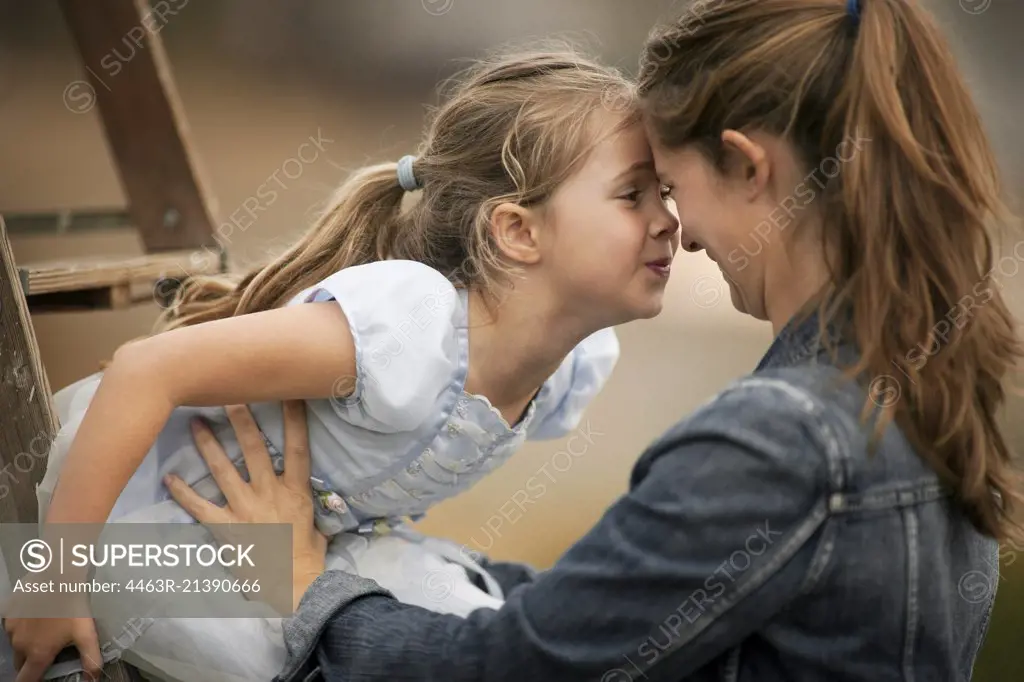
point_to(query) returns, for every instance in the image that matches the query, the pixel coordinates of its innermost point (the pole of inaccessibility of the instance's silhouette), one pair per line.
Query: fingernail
(170, 479)
(196, 423)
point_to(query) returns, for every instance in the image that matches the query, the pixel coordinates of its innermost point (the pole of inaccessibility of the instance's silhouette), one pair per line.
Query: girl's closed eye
(633, 196)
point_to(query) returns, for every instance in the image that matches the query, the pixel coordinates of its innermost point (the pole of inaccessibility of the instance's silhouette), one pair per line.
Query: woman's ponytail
(918, 207)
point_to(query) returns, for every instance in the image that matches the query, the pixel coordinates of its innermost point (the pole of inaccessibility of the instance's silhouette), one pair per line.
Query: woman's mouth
(660, 267)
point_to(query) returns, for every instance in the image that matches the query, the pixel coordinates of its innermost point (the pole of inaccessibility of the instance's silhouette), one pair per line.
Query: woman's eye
(666, 192)
(633, 196)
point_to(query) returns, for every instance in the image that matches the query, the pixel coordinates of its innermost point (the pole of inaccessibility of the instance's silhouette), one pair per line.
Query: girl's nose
(666, 225)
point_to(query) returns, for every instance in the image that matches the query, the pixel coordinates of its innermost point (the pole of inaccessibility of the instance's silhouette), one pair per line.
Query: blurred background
(259, 78)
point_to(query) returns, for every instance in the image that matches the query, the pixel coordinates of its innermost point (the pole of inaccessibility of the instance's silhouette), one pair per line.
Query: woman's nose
(688, 242)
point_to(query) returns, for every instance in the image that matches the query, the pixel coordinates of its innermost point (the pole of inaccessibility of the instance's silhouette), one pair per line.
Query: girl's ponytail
(360, 225)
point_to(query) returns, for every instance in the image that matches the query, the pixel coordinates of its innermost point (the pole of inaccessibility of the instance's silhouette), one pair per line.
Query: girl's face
(613, 239)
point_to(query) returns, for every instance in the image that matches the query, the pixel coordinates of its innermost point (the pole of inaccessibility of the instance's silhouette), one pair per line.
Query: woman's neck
(798, 275)
(515, 346)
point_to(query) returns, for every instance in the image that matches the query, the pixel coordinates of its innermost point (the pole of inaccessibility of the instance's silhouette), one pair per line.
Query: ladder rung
(92, 273)
(61, 222)
(109, 283)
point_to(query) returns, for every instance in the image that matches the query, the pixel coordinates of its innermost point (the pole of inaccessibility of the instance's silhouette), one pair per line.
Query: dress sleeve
(402, 315)
(568, 392)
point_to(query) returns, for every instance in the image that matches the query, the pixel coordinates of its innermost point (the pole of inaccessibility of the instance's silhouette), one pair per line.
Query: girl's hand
(269, 498)
(37, 641)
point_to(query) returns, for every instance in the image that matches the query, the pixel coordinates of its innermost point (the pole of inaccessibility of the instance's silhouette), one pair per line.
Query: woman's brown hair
(906, 218)
(512, 129)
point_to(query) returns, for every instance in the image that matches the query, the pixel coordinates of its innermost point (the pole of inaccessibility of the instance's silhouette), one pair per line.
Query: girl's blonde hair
(905, 217)
(513, 128)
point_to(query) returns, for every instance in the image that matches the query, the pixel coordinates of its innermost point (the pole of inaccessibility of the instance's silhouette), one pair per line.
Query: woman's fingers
(201, 509)
(224, 473)
(33, 670)
(296, 446)
(35, 663)
(88, 645)
(254, 450)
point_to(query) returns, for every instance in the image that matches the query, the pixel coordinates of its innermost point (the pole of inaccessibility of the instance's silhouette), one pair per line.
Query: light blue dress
(408, 436)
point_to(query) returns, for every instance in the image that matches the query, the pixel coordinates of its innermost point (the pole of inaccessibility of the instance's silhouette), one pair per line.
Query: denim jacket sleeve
(716, 535)
(508, 574)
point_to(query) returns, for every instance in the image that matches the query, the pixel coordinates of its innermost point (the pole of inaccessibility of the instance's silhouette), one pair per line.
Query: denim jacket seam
(815, 412)
(987, 617)
(835, 452)
(908, 494)
(810, 524)
(913, 565)
(731, 666)
(804, 398)
(821, 558)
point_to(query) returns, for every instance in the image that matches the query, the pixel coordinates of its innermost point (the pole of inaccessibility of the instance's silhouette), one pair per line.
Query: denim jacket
(759, 541)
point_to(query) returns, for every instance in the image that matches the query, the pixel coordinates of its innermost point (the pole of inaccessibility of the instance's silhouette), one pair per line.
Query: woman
(813, 520)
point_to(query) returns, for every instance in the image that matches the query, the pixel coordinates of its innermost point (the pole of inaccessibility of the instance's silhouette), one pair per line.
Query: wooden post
(28, 421)
(128, 79)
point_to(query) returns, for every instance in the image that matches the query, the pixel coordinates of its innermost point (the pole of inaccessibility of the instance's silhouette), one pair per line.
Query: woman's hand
(268, 498)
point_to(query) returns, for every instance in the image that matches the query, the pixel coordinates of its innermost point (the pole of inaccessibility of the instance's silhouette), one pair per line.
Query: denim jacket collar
(801, 339)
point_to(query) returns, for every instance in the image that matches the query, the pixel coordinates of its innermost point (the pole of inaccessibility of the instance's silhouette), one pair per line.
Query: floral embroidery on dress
(332, 501)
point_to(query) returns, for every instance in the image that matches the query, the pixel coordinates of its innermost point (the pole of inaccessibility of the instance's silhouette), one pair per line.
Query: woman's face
(724, 215)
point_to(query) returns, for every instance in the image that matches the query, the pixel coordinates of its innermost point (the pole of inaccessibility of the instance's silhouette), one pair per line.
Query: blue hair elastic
(406, 178)
(853, 9)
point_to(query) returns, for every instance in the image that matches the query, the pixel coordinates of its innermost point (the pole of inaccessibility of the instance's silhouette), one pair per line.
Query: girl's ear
(515, 231)
(747, 162)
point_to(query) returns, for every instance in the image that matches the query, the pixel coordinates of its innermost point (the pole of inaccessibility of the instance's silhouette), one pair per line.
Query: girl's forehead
(621, 151)
(624, 139)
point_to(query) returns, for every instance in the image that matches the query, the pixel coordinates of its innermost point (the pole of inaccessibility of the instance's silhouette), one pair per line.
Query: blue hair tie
(406, 178)
(853, 9)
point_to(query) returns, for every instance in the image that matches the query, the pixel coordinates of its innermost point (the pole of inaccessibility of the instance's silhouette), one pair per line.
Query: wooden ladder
(168, 205)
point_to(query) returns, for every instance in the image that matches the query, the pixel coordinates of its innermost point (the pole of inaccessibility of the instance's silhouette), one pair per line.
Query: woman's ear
(516, 232)
(747, 161)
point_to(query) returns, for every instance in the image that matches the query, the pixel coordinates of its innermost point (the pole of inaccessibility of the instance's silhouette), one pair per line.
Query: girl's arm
(295, 352)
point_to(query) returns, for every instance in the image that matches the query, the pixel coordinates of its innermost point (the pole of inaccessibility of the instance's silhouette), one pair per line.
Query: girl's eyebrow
(645, 164)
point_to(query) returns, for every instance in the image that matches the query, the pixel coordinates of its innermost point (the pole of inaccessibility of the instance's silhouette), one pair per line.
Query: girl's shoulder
(391, 284)
(568, 392)
(404, 317)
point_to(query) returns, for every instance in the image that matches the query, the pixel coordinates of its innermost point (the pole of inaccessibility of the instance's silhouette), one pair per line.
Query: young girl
(429, 343)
